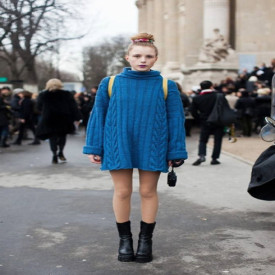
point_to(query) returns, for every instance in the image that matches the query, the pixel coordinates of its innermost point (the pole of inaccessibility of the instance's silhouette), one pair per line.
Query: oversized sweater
(136, 127)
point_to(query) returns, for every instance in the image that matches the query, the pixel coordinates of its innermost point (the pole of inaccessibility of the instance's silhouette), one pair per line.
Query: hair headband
(143, 40)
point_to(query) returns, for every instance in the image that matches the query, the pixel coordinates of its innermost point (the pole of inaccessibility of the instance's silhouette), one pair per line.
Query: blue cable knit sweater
(136, 127)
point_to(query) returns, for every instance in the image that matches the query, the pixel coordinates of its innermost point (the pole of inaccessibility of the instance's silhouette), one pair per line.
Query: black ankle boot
(144, 250)
(54, 159)
(61, 156)
(125, 251)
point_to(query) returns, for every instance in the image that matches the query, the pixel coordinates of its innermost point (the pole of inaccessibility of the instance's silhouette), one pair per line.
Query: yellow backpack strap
(165, 87)
(110, 85)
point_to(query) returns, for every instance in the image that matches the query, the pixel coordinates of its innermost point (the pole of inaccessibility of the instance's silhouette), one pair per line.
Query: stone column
(158, 32)
(171, 27)
(216, 16)
(150, 16)
(171, 67)
(142, 15)
(181, 30)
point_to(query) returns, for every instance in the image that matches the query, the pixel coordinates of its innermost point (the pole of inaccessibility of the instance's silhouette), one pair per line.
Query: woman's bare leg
(123, 187)
(148, 193)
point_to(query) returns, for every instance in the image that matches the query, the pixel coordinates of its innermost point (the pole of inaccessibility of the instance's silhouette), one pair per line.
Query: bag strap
(164, 86)
(110, 85)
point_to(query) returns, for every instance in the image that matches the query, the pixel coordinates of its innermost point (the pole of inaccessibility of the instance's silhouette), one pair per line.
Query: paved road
(57, 219)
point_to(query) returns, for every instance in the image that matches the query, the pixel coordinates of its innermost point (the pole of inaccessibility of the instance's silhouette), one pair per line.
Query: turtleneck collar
(128, 72)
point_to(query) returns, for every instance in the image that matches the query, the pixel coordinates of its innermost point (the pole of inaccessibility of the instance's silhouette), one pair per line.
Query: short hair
(54, 84)
(206, 84)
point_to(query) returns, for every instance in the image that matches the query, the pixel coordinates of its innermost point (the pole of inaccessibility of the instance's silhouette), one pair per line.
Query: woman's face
(142, 58)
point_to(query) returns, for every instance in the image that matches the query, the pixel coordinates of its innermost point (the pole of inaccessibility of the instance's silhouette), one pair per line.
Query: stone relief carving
(216, 49)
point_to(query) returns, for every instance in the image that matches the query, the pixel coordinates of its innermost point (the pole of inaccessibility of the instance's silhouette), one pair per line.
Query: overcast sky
(106, 18)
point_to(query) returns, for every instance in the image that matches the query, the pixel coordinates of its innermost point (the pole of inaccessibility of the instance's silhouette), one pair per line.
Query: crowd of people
(21, 113)
(17, 115)
(250, 95)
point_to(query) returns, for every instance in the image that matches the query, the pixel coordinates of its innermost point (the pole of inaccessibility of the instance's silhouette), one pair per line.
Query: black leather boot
(54, 159)
(61, 156)
(125, 251)
(144, 250)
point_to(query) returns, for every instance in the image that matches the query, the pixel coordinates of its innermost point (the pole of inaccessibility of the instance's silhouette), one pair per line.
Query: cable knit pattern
(136, 127)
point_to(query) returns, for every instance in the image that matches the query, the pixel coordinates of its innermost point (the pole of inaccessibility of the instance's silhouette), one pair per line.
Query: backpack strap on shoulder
(110, 85)
(165, 87)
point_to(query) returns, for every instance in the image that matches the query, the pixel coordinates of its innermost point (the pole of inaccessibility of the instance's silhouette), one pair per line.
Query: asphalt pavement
(58, 219)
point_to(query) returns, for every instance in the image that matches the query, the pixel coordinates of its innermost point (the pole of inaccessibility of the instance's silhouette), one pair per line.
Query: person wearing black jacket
(201, 108)
(86, 106)
(186, 105)
(245, 107)
(26, 117)
(5, 117)
(262, 108)
(59, 111)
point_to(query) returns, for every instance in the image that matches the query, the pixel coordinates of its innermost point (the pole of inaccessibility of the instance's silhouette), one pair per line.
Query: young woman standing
(136, 127)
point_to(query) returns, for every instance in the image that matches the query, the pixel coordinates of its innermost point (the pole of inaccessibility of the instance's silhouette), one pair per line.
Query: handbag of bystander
(222, 114)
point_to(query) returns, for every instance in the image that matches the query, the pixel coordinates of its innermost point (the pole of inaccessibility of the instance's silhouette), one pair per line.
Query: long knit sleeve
(176, 130)
(95, 128)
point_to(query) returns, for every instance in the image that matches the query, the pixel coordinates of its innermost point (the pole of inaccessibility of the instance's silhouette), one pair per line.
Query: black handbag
(222, 114)
(262, 183)
(172, 178)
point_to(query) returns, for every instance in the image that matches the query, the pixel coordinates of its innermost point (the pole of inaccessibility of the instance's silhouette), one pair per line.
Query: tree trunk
(31, 72)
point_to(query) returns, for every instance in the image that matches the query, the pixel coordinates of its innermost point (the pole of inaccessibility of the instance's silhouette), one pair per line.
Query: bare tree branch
(31, 27)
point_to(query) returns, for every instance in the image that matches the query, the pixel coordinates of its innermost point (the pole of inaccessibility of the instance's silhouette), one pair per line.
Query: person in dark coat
(59, 111)
(26, 117)
(245, 107)
(86, 106)
(5, 116)
(201, 108)
(15, 107)
(186, 106)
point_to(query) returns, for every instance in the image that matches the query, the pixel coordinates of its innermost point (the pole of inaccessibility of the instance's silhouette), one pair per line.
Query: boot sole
(126, 258)
(144, 259)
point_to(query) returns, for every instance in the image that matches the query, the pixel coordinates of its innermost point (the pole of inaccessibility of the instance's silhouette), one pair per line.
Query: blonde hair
(143, 39)
(54, 84)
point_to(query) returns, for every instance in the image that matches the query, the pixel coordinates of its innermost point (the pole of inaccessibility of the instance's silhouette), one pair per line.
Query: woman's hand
(176, 162)
(95, 159)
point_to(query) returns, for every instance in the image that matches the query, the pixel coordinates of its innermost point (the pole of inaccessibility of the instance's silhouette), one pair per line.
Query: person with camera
(136, 126)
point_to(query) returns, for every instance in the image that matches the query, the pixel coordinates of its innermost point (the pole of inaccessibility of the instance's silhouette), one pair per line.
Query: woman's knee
(147, 193)
(123, 193)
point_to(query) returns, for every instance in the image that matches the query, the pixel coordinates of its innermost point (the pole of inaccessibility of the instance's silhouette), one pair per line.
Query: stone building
(209, 39)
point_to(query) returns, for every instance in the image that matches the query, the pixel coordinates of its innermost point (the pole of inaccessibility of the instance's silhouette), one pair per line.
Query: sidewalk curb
(238, 158)
(234, 156)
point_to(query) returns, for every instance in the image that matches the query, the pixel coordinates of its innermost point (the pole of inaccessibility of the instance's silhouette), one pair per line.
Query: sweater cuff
(91, 150)
(177, 155)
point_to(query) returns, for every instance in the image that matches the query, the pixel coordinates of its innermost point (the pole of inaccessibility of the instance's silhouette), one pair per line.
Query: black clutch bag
(172, 178)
